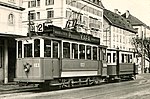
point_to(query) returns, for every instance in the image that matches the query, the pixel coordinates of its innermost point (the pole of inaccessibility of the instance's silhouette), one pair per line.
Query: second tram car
(121, 64)
(60, 57)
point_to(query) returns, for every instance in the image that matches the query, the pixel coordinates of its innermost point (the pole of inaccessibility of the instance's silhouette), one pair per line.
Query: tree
(142, 47)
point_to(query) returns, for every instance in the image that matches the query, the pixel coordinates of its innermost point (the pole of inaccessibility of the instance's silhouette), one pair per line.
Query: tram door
(56, 58)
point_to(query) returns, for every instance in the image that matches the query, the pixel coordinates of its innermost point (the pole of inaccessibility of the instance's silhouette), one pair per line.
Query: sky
(138, 8)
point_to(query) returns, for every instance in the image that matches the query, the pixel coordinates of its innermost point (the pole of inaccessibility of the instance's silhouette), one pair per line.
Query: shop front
(7, 57)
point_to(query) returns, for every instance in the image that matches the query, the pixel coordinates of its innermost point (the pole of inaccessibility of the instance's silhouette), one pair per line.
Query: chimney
(127, 13)
(117, 11)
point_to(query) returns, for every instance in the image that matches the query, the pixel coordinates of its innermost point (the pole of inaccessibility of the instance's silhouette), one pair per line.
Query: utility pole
(142, 58)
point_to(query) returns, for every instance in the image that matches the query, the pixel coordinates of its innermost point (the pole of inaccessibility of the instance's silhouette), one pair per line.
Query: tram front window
(47, 48)
(55, 49)
(27, 50)
(66, 50)
(88, 52)
(36, 48)
(19, 49)
(82, 51)
(74, 51)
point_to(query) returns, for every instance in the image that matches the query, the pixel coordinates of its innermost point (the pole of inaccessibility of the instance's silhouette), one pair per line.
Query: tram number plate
(82, 64)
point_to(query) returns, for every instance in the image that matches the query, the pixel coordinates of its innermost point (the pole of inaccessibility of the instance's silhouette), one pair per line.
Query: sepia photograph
(74, 49)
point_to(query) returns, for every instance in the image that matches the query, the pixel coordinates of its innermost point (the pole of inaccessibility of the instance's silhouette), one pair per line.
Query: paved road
(137, 89)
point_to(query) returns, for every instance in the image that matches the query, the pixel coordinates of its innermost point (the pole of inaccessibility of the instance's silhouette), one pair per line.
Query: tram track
(34, 89)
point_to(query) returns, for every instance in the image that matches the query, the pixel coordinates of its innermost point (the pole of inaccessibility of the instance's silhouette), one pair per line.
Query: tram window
(66, 50)
(114, 57)
(82, 51)
(122, 58)
(55, 49)
(19, 49)
(74, 51)
(103, 54)
(88, 52)
(125, 58)
(47, 48)
(130, 59)
(99, 53)
(27, 50)
(94, 53)
(109, 57)
(36, 48)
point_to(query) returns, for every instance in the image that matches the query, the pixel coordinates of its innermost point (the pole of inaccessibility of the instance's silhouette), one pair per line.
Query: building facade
(87, 13)
(10, 23)
(143, 32)
(117, 31)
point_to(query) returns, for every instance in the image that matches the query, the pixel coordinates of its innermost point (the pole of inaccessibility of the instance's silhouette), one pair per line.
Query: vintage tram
(61, 57)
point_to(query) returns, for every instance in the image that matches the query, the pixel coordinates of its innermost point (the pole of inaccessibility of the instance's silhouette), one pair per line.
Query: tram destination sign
(71, 34)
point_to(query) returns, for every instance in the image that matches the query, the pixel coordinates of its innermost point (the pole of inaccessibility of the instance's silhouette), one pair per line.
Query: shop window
(19, 49)
(36, 48)
(47, 48)
(94, 53)
(75, 51)
(88, 52)
(27, 50)
(55, 49)
(66, 50)
(82, 51)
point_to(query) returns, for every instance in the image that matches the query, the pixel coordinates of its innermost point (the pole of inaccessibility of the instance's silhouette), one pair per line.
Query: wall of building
(11, 24)
(61, 10)
(10, 19)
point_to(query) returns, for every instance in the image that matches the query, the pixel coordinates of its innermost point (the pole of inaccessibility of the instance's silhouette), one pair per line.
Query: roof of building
(11, 6)
(118, 21)
(10, 35)
(133, 20)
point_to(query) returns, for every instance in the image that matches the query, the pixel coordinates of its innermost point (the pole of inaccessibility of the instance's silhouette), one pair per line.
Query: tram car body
(58, 56)
(121, 64)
